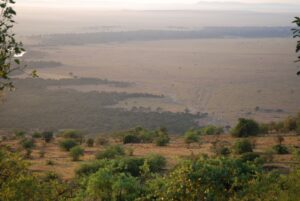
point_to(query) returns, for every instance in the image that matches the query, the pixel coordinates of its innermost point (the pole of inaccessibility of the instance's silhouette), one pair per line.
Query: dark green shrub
(28, 143)
(76, 152)
(222, 151)
(90, 168)
(73, 134)
(162, 137)
(90, 142)
(212, 130)
(131, 138)
(156, 162)
(67, 144)
(111, 152)
(290, 124)
(264, 128)
(129, 165)
(280, 149)
(47, 136)
(245, 128)
(242, 146)
(191, 136)
(250, 156)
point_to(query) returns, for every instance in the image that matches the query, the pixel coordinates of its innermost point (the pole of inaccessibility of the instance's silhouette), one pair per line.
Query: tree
(245, 128)
(296, 34)
(68, 144)
(28, 145)
(9, 47)
(90, 142)
(76, 152)
(191, 136)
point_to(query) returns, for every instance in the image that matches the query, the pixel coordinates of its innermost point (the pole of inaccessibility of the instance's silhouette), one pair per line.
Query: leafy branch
(296, 34)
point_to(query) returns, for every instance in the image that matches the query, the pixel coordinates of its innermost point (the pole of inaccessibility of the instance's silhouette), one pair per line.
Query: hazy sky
(254, 5)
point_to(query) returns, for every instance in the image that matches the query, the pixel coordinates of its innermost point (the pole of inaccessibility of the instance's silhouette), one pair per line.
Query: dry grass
(64, 166)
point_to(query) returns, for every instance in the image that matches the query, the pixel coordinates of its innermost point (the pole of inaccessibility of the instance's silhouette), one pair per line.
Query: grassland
(176, 150)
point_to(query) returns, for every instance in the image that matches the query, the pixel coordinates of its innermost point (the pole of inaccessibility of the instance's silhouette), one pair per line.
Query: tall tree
(296, 34)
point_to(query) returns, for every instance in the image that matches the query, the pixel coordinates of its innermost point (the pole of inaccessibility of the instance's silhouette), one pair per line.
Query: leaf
(17, 61)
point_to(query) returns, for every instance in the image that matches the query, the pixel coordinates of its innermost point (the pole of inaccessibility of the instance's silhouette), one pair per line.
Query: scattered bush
(111, 152)
(20, 134)
(131, 138)
(280, 149)
(76, 152)
(47, 136)
(90, 142)
(73, 134)
(243, 146)
(245, 128)
(68, 144)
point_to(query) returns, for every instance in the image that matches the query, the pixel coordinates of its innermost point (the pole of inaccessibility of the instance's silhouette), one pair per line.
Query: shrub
(28, 143)
(264, 128)
(129, 165)
(47, 136)
(49, 162)
(111, 152)
(250, 156)
(280, 149)
(20, 134)
(245, 128)
(37, 135)
(90, 142)
(68, 144)
(76, 152)
(191, 136)
(290, 124)
(102, 141)
(243, 146)
(73, 134)
(212, 130)
(90, 168)
(162, 138)
(156, 162)
(131, 138)
(222, 151)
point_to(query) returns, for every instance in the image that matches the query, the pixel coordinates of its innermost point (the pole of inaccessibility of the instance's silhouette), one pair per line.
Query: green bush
(162, 137)
(47, 136)
(280, 149)
(191, 136)
(131, 138)
(90, 142)
(290, 124)
(28, 143)
(156, 162)
(111, 152)
(221, 150)
(76, 152)
(243, 146)
(20, 134)
(73, 134)
(212, 130)
(245, 128)
(264, 128)
(67, 144)
(250, 156)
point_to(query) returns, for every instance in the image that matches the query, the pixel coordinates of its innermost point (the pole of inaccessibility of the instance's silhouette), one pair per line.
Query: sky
(250, 5)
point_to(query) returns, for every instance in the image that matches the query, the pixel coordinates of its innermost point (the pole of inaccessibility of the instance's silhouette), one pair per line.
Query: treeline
(37, 107)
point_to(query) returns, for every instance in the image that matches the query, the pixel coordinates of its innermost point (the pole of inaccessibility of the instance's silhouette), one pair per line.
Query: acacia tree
(10, 48)
(296, 34)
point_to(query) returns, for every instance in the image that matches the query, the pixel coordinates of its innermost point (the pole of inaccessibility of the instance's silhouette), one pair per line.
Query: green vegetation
(90, 142)
(76, 152)
(296, 33)
(243, 146)
(47, 136)
(111, 152)
(68, 144)
(191, 136)
(245, 128)
(162, 137)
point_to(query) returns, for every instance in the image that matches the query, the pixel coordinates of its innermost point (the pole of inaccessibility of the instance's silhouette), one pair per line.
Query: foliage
(245, 128)
(249, 156)
(67, 144)
(102, 141)
(47, 136)
(263, 128)
(90, 142)
(20, 134)
(280, 149)
(212, 130)
(28, 143)
(9, 47)
(76, 152)
(37, 135)
(296, 34)
(72, 134)
(243, 146)
(111, 152)
(162, 137)
(156, 162)
(191, 136)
